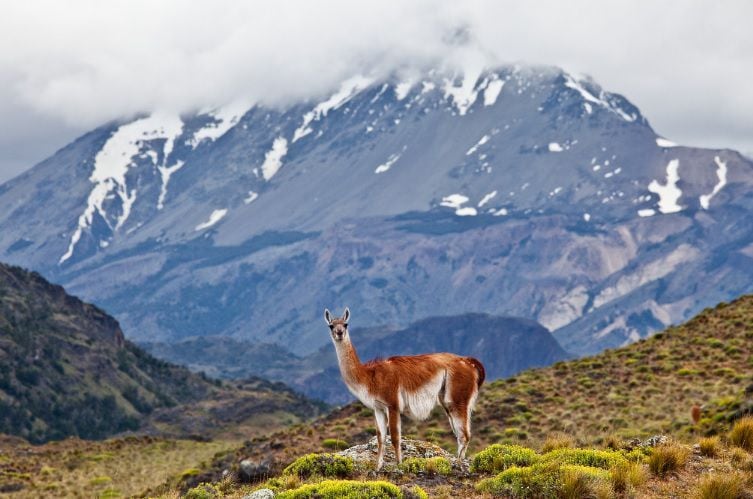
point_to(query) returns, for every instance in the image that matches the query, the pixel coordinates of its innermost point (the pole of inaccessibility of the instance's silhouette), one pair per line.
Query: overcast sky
(66, 67)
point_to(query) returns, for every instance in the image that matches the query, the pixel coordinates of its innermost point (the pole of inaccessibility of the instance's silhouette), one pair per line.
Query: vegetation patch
(431, 466)
(604, 459)
(667, 458)
(721, 486)
(335, 443)
(741, 434)
(325, 465)
(499, 457)
(345, 489)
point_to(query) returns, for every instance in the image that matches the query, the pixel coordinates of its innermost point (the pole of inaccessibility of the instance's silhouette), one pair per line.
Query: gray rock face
(250, 471)
(410, 448)
(260, 494)
(521, 191)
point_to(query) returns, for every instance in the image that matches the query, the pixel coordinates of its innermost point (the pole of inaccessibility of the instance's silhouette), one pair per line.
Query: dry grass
(710, 446)
(721, 486)
(741, 434)
(557, 441)
(667, 459)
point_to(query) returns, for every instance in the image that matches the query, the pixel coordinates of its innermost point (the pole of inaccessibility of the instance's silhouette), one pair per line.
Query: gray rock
(251, 471)
(654, 441)
(260, 494)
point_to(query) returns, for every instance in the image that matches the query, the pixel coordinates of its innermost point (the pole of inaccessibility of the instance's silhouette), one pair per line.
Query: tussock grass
(668, 458)
(741, 434)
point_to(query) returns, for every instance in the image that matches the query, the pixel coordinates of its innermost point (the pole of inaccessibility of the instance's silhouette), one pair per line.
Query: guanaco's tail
(480, 368)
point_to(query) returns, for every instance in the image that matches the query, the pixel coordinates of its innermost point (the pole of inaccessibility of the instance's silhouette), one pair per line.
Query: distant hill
(506, 346)
(637, 391)
(66, 369)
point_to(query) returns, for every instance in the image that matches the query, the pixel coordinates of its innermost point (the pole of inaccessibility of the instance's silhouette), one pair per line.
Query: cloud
(78, 64)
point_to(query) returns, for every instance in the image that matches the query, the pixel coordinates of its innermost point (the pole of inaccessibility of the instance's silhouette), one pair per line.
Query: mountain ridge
(546, 199)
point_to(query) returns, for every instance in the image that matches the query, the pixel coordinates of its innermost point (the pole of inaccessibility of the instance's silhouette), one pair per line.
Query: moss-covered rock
(325, 465)
(498, 457)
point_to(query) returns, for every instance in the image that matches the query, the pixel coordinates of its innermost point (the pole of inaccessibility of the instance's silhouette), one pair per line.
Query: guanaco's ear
(327, 317)
(346, 315)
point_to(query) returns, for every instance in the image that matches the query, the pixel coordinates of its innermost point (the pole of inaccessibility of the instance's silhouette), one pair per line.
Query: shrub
(577, 482)
(709, 446)
(626, 476)
(531, 482)
(557, 441)
(667, 458)
(100, 480)
(741, 434)
(334, 443)
(430, 466)
(202, 491)
(720, 486)
(604, 459)
(498, 457)
(326, 465)
(346, 489)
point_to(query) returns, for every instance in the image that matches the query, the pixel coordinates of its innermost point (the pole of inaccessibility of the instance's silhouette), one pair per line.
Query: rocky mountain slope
(519, 191)
(505, 345)
(66, 370)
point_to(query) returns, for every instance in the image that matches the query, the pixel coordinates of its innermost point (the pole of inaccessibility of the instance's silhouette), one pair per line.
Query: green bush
(522, 482)
(203, 491)
(326, 465)
(346, 489)
(604, 459)
(334, 443)
(498, 457)
(431, 466)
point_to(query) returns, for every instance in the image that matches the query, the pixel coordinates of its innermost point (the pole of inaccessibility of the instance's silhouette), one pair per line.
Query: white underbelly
(419, 404)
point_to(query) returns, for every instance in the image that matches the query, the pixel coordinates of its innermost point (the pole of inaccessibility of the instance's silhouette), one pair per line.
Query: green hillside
(66, 370)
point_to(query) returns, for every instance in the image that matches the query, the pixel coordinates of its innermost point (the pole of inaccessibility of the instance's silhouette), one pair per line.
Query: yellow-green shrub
(604, 459)
(522, 482)
(432, 466)
(626, 476)
(326, 465)
(346, 489)
(498, 457)
(334, 443)
(577, 482)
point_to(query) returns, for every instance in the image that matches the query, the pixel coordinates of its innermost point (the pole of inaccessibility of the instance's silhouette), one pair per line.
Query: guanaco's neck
(347, 358)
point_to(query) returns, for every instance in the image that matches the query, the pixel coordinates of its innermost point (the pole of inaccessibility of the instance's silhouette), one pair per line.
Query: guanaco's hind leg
(395, 433)
(381, 424)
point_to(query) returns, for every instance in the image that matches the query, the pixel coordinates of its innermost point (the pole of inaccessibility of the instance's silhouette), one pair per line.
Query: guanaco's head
(338, 326)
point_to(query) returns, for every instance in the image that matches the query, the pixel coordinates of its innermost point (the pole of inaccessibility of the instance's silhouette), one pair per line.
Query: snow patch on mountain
(721, 173)
(273, 158)
(402, 89)
(215, 217)
(571, 82)
(483, 140)
(111, 165)
(384, 167)
(555, 147)
(492, 91)
(347, 90)
(224, 118)
(465, 95)
(165, 173)
(668, 193)
(251, 197)
(487, 198)
(661, 142)
(456, 202)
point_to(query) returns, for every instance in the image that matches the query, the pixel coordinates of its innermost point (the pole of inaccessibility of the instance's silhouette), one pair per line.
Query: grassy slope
(646, 388)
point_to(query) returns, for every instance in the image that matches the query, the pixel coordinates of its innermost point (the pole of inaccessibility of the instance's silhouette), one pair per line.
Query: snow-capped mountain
(521, 191)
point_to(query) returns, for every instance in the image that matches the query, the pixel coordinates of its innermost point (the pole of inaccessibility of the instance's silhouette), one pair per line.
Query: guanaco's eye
(332, 326)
